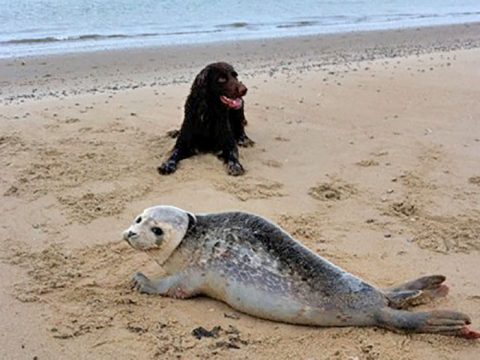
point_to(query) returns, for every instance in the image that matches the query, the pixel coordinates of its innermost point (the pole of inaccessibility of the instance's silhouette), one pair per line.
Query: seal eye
(157, 231)
(138, 220)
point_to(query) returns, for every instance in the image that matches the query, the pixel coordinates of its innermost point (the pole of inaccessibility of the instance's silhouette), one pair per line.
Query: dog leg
(170, 166)
(230, 156)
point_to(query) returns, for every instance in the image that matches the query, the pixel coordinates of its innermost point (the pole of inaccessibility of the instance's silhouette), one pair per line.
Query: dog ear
(196, 103)
(201, 80)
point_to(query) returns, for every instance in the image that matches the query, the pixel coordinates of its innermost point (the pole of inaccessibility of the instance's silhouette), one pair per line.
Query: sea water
(34, 27)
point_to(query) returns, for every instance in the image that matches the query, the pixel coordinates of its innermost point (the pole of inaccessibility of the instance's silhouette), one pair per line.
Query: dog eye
(222, 79)
(234, 74)
(157, 231)
(138, 220)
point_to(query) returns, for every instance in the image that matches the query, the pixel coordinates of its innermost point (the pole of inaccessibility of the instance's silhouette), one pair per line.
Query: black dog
(214, 119)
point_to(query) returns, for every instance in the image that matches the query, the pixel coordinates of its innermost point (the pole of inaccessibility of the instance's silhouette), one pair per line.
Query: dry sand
(368, 151)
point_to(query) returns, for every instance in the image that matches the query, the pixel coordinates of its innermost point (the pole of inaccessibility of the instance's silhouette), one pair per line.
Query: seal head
(159, 230)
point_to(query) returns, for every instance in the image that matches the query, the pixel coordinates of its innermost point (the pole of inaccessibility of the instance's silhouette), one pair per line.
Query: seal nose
(129, 234)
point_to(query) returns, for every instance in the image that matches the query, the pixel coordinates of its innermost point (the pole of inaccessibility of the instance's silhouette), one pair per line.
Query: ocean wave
(234, 25)
(306, 22)
(196, 32)
(86, 37)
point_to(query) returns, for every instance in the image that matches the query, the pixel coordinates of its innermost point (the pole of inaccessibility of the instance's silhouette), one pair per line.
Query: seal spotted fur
(259, 269)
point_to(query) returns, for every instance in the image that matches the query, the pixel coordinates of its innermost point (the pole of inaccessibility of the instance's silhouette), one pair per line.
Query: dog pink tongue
(236, 103)
(232, 103)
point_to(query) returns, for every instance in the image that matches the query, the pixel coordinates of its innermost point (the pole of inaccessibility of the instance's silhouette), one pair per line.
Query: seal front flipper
(178, 286)
(441, 322)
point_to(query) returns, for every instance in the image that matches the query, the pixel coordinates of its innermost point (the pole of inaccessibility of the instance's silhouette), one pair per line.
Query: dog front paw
(235, 168)
(173, 133)
(245, 141)
(167, 167)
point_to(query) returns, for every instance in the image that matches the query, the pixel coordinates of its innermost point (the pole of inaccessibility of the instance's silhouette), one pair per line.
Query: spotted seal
(257, 268)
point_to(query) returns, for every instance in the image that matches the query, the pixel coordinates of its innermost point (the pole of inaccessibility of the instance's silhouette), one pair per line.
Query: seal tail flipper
(402, 299)
(416, 292)
(442, 322)
(429, 282)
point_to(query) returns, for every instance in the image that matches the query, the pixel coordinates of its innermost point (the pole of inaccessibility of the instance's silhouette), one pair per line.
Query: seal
(257, 268)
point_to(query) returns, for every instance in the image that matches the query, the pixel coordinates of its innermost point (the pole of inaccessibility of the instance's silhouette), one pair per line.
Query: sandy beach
(367, 151)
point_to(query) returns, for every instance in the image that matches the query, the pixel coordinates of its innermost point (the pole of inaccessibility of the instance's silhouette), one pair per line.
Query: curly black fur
(214, 119)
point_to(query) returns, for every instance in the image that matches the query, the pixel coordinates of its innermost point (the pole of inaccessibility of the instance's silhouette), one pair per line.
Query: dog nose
(242, 90)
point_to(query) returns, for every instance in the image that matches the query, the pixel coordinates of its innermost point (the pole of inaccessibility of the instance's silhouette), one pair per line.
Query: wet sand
(367, 151)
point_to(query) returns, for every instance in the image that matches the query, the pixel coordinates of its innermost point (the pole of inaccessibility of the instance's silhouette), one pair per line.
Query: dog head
(219, 82)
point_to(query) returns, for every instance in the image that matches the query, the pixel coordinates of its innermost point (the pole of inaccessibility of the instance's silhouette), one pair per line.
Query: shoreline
(112, 70)
(367, 152)
(89, 43)
(147, 41)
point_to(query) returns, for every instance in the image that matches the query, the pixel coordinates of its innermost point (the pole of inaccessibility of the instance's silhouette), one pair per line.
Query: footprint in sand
(246, 188)
(90, 206)
(367, 163)
(272, 163)
(444, 234)
(403, 208)
(303, 226)
(475, 180)
(332, 191)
